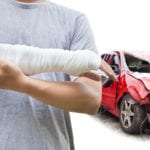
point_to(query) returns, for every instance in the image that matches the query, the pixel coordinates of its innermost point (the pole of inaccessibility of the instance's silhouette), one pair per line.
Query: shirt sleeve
(82, 37)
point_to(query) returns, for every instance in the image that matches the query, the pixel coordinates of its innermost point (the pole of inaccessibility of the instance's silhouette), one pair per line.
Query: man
(27, 123)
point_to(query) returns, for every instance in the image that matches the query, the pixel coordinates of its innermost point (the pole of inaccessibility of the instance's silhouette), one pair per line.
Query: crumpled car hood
(144, 77)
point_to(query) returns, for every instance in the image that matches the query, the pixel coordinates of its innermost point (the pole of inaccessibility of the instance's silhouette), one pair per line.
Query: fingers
(107, 69)
(91, 75)
(113, 77)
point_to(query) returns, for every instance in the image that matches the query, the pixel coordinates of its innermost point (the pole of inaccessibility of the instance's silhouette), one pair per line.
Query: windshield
(136, 64)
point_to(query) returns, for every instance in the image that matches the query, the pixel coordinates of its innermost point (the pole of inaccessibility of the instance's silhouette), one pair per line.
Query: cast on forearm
(34, 60)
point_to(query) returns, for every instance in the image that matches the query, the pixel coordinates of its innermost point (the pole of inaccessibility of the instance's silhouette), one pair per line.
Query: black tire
(132, 115)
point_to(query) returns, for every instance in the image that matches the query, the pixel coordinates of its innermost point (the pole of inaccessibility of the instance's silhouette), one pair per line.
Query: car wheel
(132, 115)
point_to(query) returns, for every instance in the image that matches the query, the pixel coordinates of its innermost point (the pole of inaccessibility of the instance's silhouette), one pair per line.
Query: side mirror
(107, 82)
(115, 68)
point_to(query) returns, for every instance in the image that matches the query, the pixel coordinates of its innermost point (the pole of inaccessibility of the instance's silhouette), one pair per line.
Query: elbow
(91, 100)
(93, 104)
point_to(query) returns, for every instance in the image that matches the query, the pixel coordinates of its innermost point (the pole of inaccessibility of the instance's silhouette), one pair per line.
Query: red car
(129, 98)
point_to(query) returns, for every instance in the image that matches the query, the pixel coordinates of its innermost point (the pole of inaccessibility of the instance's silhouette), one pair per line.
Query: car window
(113, 60)
(115, 63)
(105, 57)
(137, 65)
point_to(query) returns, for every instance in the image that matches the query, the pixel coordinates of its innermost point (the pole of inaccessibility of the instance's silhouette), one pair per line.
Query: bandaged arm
(83, 95)
(34, 60)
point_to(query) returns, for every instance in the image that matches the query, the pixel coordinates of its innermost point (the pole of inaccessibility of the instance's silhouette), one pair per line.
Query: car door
(109, 92)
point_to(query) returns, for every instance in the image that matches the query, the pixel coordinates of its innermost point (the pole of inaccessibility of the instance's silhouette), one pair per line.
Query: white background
(117, 24)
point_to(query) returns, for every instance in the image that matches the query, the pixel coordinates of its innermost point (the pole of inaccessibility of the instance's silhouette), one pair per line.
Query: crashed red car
(129, 98)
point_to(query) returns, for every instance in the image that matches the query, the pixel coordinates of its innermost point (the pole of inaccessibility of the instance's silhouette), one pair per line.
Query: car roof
(144, 55)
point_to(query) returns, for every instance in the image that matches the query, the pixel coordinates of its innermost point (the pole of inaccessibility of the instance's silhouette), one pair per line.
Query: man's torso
(27, 124)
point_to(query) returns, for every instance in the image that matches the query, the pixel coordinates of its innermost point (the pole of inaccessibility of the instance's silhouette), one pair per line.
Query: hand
(91, 75)
(11, 76)
(107, 69)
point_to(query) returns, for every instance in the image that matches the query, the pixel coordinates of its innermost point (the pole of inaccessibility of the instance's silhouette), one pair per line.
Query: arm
(80, 96)
(34, 60)
(83, 95)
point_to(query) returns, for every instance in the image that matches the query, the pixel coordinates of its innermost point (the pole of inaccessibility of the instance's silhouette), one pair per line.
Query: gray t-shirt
(26, 123)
